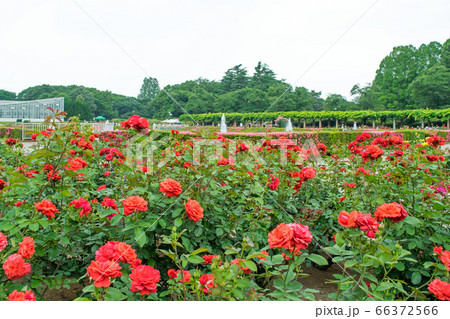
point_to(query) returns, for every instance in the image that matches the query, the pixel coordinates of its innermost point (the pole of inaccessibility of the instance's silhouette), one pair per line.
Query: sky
(323, 45)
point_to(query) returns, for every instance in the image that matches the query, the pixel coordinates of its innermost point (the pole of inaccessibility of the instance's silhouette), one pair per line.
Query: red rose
(107, 173)
(83, 204)
(26, 249)
(281, 236)
(206, 282)
(193, 210)
(437, 250)
(273, 182)
(208, 259)
(47, 208)
(76, 164)
(440, 289)
(101, 187)
(348, 219)
(101, 272)
(15, 267)
(445, 259)
(21, 296)
(144, 279)
(308, 173)
(3, 241)
(393, 211)
(107, 252)
(302, 236)
(238, 263)
(134, 204)
(125, 253)
(171, 187)
(184, 276)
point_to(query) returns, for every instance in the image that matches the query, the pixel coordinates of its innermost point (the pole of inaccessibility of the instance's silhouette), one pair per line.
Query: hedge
(419, 114)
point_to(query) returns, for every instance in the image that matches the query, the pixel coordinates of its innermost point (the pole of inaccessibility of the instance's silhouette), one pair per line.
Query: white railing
(30, 128)
(163, 127)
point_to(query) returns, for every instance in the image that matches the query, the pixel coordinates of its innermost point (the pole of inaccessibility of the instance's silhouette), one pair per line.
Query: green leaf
(198, 231)
(321, 261)
(198, 251)
(36, 283)
(278, 284)
(251, 265)
(43, 222)
(400, 266)
(195, 259)
(140, 237)
(277, 259)
(34, 226)
(294, 285)
(114, 294)
(416, 278)
(116, 219)
(178, 222)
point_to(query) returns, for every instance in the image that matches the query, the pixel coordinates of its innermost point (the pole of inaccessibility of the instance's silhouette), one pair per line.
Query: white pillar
(337, 123)
(373, 123)
(423, 123)
(304, 123)
(320, 123)
(393, 124)
(448, 123)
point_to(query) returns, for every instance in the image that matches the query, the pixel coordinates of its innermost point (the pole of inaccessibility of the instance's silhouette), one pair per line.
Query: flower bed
(139, 215)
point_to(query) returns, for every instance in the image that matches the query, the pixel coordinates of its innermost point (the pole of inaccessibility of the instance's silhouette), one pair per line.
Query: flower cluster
(293, 236)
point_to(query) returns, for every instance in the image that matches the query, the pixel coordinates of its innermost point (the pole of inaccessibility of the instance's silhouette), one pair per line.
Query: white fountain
(223, 124)
(355, 127)
(289, 126)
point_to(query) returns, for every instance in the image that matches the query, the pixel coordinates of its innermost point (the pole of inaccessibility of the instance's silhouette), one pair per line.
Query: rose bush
(136, 214)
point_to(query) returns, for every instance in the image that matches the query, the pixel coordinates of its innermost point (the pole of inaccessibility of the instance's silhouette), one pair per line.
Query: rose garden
(137, 214)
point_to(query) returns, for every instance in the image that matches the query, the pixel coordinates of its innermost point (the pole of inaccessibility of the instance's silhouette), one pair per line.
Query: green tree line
(408, 78)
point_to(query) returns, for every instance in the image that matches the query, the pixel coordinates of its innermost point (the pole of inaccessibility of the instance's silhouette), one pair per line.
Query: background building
(32, 111)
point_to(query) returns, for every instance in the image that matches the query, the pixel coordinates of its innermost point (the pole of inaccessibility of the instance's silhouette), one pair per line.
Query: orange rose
(26, 249)
(126, 253)
(47, 208)
(393, 211)
(281, 236)
(171, 187)
(76, 164)
(134, 203)
(193, 210)
(349, 219)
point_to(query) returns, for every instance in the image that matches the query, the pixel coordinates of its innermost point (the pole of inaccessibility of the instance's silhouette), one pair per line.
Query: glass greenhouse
(33, 111)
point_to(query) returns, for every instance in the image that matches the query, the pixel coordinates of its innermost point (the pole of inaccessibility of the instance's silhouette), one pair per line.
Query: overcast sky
(317, 44)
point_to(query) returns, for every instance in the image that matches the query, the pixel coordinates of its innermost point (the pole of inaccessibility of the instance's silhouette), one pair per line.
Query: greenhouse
(32, 111)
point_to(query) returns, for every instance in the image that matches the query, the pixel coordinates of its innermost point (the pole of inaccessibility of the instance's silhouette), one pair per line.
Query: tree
(432, 88)
(78, 107)
(234, 79)
(263, 77)
(7, 96)
(308, 100)
(365, 98)
(127, 106)
(446, 54)
(399, 69)
(149, 89)
(243, 101)
(336, 102)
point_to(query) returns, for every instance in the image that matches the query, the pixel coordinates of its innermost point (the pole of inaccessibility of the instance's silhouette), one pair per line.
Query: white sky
(55, 42)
